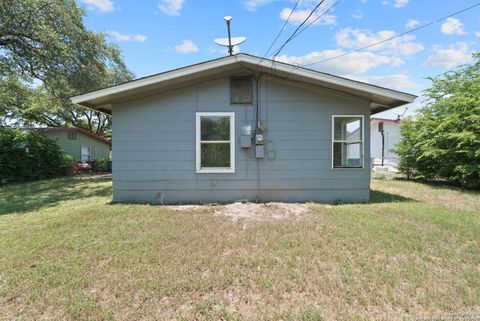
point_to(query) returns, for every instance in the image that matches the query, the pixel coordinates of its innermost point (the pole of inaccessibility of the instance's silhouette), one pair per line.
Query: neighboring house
(78, 142)
(391, 132)
(241, 128)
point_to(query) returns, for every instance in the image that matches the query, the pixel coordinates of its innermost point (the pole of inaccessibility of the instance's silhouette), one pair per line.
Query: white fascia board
(339, 81)
(163, 77)
(279, 66)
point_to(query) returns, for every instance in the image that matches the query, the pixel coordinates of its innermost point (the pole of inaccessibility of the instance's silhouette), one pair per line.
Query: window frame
(81, 153)
(214, 170)
(362, 141)
(71, 135)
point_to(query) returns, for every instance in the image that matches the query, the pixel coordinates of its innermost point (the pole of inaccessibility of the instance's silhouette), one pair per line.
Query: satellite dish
(229, 42)
(235, 41)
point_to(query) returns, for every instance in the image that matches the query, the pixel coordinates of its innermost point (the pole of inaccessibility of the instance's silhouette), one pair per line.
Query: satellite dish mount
(229, 42)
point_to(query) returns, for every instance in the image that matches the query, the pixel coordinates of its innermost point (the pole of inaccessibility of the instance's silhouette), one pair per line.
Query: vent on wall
(241, 90)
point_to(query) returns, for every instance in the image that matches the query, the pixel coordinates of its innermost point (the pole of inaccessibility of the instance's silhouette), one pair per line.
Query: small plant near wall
(29, 156)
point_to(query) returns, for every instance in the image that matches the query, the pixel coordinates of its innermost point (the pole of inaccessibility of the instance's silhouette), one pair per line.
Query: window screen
(241, 90)
(72, 135)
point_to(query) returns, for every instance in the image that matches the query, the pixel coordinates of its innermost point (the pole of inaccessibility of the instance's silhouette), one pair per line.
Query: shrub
(28, 156)
(101, 165)
(443, 142)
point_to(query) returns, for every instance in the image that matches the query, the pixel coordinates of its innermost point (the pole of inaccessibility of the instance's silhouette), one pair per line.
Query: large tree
(48, 55)
(444, 140)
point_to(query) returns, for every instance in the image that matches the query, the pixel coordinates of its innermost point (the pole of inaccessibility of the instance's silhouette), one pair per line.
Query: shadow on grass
(24, 197)
(441, 185)
(382, 197)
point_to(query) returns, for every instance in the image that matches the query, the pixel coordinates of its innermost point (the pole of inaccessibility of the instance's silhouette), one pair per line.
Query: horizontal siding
(156, 175)
(154, 147)
(157, 144)
(296, 184)
(250, 164)
(139, 155)
(213, 196)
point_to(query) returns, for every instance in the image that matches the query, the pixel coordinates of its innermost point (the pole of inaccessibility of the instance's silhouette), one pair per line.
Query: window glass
(215, 155)
(215, 128)
(347, 154)
(72, 135)
(85, 153)
(215, 146)
(347, 142)
(348, 128)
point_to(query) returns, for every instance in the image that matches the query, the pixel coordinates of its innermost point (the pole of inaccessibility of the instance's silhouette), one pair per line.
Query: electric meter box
(259, 151)
(245, 141)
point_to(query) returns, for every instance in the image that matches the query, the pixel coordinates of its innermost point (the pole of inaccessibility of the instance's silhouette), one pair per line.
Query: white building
(391, 132)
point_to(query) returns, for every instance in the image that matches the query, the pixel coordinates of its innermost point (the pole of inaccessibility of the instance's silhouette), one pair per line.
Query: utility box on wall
(259, 151)
(245, 141)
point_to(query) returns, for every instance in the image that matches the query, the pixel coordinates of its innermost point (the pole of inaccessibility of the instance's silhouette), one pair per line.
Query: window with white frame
(85, 153)
(347, 141)
(215, 140)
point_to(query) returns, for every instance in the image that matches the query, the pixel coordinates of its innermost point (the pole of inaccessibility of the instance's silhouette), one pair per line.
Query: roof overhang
(380, 98)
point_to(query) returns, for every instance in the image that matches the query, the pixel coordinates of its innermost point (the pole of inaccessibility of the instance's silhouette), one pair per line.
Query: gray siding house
(241, 128)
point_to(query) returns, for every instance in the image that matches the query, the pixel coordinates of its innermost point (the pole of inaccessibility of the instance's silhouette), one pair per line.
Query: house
(78, 142)
(391, 136)
(241, 128)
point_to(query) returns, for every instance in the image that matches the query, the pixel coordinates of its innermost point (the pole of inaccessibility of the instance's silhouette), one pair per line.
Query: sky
(159, 35)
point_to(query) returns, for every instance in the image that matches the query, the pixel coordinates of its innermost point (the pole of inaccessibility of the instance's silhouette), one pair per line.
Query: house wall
(392, 137)
(154, 147)
(98, 149)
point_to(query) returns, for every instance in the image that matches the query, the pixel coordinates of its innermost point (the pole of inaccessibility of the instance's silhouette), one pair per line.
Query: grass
(66, 253)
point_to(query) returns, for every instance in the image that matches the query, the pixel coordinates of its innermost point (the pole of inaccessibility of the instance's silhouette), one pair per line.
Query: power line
(316, 19)
(296, 30)
(281, 30)
(394, 37)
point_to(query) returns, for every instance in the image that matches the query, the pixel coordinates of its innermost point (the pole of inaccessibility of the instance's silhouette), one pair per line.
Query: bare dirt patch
(184, 208)
(262, 211)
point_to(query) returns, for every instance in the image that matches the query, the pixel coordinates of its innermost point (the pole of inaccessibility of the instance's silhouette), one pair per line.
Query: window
(347, 141)
(85, 153)
(241, 90)
(72, 135)
(215, 142)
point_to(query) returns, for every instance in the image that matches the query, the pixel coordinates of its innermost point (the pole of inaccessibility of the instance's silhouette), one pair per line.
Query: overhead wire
(394, 37)
(281, 30)
(296, 30)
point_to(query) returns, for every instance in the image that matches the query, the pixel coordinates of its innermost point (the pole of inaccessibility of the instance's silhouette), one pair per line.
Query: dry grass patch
(81, 258)
(448, 196)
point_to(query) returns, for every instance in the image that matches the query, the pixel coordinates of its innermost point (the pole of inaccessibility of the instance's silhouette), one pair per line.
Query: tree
(28, 156)
(444, 140)
(46, 42)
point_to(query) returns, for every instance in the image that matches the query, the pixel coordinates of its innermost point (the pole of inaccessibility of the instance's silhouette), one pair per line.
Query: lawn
(66, 253)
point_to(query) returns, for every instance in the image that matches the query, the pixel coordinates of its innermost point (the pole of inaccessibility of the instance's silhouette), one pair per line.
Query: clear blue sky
(158, 35)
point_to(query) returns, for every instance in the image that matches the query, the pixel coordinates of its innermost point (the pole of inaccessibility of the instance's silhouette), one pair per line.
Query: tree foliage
(444, 140)
(45, 42)
(30, 156)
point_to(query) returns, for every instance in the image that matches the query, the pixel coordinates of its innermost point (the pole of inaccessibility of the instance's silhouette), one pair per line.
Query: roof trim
(70, 129)
(402, 97)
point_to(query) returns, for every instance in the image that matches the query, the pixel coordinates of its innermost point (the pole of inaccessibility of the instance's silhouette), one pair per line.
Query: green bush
(443, 142)
(29, 156)
(101, 165)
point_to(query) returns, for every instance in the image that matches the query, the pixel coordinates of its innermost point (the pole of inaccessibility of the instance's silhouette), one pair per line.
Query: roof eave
(386, 98)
